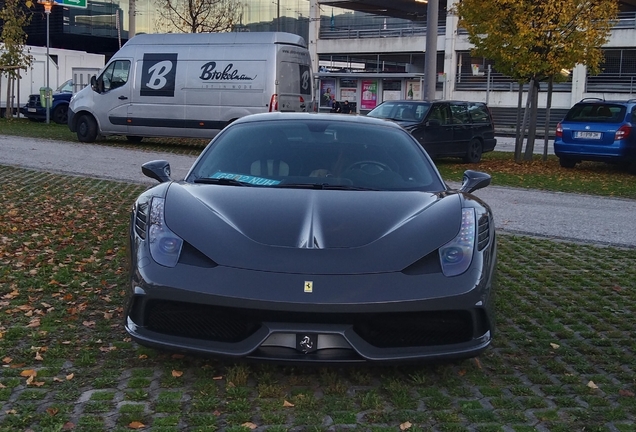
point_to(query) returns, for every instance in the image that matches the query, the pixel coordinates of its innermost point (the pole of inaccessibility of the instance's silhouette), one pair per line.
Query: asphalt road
(575, 217)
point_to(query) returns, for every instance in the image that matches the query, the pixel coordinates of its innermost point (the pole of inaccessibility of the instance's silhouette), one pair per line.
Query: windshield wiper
(323, 186)
(222, 181)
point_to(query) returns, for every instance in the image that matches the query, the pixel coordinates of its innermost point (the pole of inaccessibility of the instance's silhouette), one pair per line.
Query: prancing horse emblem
(309, 286)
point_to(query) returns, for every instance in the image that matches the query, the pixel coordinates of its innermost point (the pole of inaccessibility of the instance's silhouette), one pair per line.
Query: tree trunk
(518, 139)
(6, 111)
(548, 106)
(532, 129)
(525, 121)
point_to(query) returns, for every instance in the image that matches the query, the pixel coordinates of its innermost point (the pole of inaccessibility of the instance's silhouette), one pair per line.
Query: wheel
(134, 139)
(86, 128)
(567, 162)
(473, 155)
(370, 167)
(60, 114)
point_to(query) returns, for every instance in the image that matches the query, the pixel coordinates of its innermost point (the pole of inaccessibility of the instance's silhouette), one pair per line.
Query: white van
(192, 85)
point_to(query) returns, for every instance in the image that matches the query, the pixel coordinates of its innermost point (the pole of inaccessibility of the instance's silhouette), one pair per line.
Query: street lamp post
(47, 93)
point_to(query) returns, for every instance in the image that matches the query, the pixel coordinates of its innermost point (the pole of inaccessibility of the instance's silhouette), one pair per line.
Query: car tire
(567, 162)
(134, 139)
(475, 149)
(60, 114)
(86, 128)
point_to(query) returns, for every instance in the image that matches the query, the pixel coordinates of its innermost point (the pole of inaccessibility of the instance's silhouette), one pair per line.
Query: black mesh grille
(413, 330)
(383, 330)
(197, 321)
(141, 219)
(483, 232)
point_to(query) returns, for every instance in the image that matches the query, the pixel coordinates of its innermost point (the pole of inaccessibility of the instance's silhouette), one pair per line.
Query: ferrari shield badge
(309, 286)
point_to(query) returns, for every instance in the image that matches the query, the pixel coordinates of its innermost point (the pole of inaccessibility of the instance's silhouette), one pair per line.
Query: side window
(633, 120)
(478, 113)
(115, 75)
(441, 113)
(459, 114)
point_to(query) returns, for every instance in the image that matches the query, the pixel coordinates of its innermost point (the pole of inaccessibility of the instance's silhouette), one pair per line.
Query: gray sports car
(312, 238)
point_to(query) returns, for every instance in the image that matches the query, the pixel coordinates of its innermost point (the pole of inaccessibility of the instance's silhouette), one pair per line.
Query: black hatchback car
(444, 128)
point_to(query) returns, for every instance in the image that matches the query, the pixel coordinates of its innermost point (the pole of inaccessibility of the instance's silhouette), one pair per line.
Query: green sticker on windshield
(257, 181)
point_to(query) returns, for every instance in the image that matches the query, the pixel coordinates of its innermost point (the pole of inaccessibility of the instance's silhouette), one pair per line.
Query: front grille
(483, 232)
(383, 330)
(141, 219)
(197, 321)
(416, 330)
(34, 101)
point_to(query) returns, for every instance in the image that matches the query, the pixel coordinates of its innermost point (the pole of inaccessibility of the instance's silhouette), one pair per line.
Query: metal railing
(626, 20)
(611, 83)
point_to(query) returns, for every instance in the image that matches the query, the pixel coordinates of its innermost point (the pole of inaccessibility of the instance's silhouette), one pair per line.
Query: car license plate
(31, 109)
(587, 135)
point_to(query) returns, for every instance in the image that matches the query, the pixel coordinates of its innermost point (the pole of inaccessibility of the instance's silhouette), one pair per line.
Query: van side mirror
(94, 82)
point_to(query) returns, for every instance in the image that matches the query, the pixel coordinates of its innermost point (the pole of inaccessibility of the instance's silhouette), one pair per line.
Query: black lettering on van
(209, 73)
(158, 74)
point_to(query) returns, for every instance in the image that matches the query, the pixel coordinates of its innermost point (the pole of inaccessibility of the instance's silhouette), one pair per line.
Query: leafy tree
(198, 16)
(535, 40)
(13, 57)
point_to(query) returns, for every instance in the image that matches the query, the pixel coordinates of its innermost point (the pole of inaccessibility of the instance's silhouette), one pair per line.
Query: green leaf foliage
(14, 16)
(536, 39)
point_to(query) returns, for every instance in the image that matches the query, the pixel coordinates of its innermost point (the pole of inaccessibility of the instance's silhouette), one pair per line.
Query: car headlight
(456, 255)
(165, 246)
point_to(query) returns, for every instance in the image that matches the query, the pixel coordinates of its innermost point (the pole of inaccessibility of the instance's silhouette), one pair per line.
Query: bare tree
(198, 16)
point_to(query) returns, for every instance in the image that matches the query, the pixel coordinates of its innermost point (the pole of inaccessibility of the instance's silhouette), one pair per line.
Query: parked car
(444, 128)
(34, 110)
(598, 130)
(312, 238)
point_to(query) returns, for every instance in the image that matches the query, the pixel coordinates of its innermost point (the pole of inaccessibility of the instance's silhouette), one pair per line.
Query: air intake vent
(483, 232)
(141, 219)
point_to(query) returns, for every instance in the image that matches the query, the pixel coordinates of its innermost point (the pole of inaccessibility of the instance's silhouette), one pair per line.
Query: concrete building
(366, 51)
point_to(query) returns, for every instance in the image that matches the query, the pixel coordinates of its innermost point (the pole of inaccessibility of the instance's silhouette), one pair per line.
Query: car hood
(311, 231)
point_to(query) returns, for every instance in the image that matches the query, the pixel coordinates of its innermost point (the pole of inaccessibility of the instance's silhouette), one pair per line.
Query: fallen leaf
(11, 411)
(56, 379)
(555, 346)
(176, 373)
(68, 426)
(2, 386)
(38, 357)
(37, 383)
(35, 322)
(217, 378)
(7, 360)
(89, 324)
(288, 404)
(626, 393)
(143, 356)
(28, 373)
(136, 425)
(405, 426)
(249, 425)
(462, 372)
(52, 411)
(69, 377)
(592, 385)
(477, 363)
(216, 413)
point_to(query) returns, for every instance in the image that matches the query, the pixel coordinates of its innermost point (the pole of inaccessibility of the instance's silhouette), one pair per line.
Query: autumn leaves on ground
(563, 357)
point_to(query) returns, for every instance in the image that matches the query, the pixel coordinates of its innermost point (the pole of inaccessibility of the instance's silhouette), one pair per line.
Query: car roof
(341, 118)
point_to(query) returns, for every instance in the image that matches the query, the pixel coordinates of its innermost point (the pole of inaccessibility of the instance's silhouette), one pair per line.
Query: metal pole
(278, 15)
(430, 56)
(47, 11)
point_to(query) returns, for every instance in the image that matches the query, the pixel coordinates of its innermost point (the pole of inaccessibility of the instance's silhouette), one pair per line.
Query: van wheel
(86, 128)
(134, 139)
(474, 151)
(567, 162)
(60, 114)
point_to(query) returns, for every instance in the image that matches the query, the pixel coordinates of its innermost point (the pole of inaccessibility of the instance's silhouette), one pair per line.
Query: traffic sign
(71, 3)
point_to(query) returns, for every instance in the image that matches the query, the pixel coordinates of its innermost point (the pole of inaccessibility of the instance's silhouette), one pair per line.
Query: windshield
(596, 113)
(67, 87)
(316, 154)
(401, 111)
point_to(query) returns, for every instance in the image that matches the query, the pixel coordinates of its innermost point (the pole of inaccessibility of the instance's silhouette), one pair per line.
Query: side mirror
(157, 169)
(94, 83)
(474, 180)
